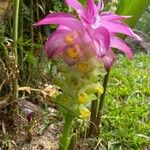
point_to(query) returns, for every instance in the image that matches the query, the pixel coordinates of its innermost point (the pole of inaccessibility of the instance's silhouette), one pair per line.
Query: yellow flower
(83, 67)
(94, 88)
(85, 113)
(72, 53)
(69, 38)
(82, 98)
(99, 88)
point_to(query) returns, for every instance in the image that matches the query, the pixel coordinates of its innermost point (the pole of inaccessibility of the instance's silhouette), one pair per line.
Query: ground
(125, 125)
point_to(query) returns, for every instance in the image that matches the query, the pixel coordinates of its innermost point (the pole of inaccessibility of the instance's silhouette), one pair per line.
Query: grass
(126, 120)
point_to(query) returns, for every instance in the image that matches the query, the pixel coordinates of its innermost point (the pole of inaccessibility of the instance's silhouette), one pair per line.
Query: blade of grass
(134, 9)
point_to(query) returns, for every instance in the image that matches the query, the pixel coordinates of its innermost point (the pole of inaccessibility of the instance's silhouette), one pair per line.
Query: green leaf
(31, 58)
(134, 8)
(82, 2)
(122, 5)
(92, 97)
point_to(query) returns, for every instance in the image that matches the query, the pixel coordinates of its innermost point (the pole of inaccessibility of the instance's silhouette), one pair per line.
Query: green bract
(78, 83)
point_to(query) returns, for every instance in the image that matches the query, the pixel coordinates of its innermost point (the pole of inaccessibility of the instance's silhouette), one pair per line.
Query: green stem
(20, 37)
(66, 135)
(32, 18)
(102, 100)
(15, 36)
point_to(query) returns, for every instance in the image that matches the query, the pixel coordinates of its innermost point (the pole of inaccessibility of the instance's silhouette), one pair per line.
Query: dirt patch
(47, 141)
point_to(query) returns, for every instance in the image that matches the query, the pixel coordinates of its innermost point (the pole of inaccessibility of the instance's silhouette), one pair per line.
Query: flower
(91, 34)
(70, 40)
(85, 113)
(103, 28)
(82, 98)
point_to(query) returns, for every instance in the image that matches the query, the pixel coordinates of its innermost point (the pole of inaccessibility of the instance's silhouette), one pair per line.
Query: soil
(46, 129)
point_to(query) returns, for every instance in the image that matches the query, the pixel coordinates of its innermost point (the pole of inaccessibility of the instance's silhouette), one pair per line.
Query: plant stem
(101, 103)
(97, 109)
(20, 37)
(15, 52)
(66, 136)
(92, 128)
(32, 18)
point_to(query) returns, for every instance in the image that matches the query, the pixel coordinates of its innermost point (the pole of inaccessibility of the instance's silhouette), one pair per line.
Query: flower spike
(96, 33)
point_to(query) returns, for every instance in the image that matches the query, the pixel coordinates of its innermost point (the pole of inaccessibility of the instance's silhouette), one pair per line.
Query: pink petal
(61, 19)
(100, 5)
(108, 59)
(90, 12)
(121, 45)
(103, 37)
(91, 7)
(119, 27)
(76, 5)
(55, 43)
(110, 16)
(62, 27)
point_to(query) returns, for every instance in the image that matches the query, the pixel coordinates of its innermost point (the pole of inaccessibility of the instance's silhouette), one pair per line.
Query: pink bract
(94, 32)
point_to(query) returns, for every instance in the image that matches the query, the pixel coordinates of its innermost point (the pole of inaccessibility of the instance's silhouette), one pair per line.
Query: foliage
(126, 120)
(143, 23)
(134, 8)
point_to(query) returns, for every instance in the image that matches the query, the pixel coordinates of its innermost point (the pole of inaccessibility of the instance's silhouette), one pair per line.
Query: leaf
(134, 8)
(27, 89)
(92, 97)
(144, 136)
(122, 5)
(31, 58)
(82, 2)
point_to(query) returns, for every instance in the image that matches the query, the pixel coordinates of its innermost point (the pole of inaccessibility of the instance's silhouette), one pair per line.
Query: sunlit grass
(126, 122)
